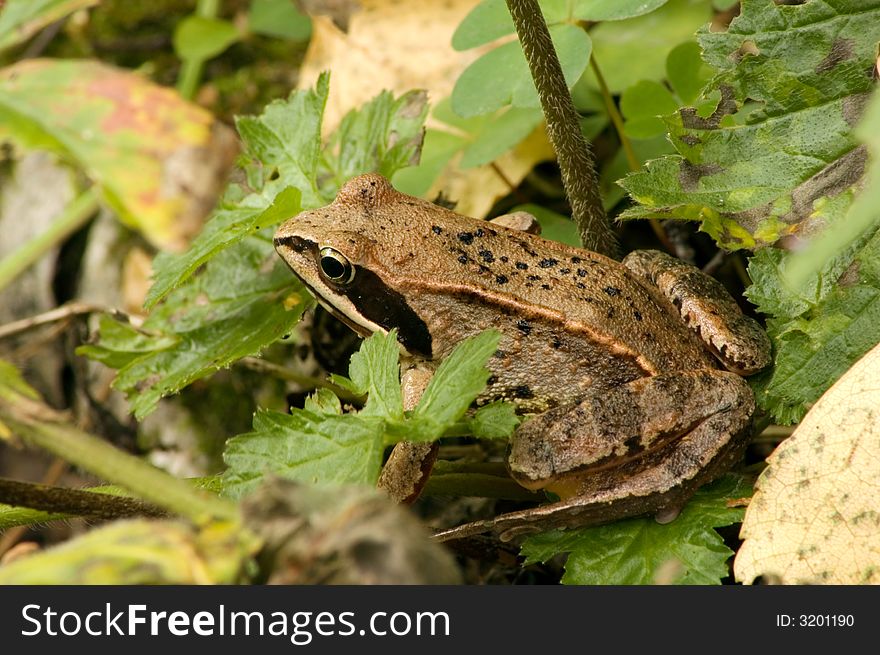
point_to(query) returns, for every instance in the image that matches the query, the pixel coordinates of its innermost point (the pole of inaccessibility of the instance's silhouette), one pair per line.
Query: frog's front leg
(410, 463)
(706, 307)
(638, 448)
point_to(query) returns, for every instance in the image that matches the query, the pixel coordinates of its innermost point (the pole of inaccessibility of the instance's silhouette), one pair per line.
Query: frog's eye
(335, 266)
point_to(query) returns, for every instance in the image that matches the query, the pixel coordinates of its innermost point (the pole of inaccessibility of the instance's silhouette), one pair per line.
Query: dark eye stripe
(384, 306)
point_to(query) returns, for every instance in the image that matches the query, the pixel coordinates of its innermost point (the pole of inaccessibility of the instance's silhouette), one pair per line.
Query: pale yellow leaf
(815, 517)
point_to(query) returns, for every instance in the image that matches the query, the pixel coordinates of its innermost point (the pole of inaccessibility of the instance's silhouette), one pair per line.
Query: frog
(630, 374)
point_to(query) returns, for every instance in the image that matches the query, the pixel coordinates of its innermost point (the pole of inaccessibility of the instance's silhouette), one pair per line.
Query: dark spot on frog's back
(612, 291)
(486, 256)
(524, 326)
(436, 229)
(466, 238)
(548, 262)
(523, 392)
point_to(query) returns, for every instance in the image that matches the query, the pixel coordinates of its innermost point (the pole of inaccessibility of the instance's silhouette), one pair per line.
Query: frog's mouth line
(372, 299)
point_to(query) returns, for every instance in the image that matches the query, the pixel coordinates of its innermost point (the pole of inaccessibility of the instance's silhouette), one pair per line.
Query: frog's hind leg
(706, 307)
(645, 447)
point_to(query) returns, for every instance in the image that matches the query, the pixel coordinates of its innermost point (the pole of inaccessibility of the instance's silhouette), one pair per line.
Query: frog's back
(577, 292)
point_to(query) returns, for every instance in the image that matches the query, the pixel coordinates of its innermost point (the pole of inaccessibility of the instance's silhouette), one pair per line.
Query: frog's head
(349, 255)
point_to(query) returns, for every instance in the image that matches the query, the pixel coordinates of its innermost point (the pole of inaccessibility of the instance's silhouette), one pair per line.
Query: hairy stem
(572, 150)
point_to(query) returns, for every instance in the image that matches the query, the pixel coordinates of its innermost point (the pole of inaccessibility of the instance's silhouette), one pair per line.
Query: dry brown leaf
(815, 516)
(401, 46)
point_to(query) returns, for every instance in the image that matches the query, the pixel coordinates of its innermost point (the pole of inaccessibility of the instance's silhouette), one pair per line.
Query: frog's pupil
(332, 267)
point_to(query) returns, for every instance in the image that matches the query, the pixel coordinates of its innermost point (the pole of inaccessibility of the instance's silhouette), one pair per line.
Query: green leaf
(200, 38)
(21, 19)
(635, 49)
(486, 22)
(384, 136)
(226, 228)
(374, 370)
(642, 105)
(496, 420)
(499, 135)
(454, 386)
(323, 401)
(284, 143)
(686, 72)
(438, 149)
(304, 446)
(279, 18)
(13, 384)
(786, 161)
(641, 551)
(555, 227)
(598, 10)
(502, 77)
(817, 338)
(231, 311)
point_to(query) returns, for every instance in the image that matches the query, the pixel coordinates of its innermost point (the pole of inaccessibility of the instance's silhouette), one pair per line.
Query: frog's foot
(636, 449)
(705, 306)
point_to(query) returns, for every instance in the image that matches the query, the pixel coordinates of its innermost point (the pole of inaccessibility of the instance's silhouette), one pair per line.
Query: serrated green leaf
(496, 420)
(816, 339)
(788, 162)
(374, 370)
(279, 18)
(312, 448)
(21, 19)
(384, 136)
(502, 77)
(323, 401)
(122, 343)
(641, 551)
(234, 309)
(200, 37)
(454, 386)
(285, 144)
(599, 10)
(226, 228)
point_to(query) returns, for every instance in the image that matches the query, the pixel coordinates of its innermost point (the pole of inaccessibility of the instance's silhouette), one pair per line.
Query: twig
(563, 127)
(62, 313)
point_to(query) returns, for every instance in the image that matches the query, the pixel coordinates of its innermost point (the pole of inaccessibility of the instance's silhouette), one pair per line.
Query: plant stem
(76, 502)
(74, 216)
(45, 428)
(191, 69)
(563, 127)
(631, 159)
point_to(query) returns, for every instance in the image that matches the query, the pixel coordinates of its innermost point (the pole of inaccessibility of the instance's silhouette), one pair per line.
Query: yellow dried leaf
(815, 517)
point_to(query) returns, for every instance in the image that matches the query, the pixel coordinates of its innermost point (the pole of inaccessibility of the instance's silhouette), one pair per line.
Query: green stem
(74, 216)
(40, 426)
(631, 159)
(191, 69)
(563, 127)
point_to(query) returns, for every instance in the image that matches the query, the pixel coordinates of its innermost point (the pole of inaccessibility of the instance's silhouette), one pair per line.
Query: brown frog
(618, 360)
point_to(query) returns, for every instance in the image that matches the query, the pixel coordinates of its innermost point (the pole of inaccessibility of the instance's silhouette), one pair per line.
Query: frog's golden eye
(335, 266)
